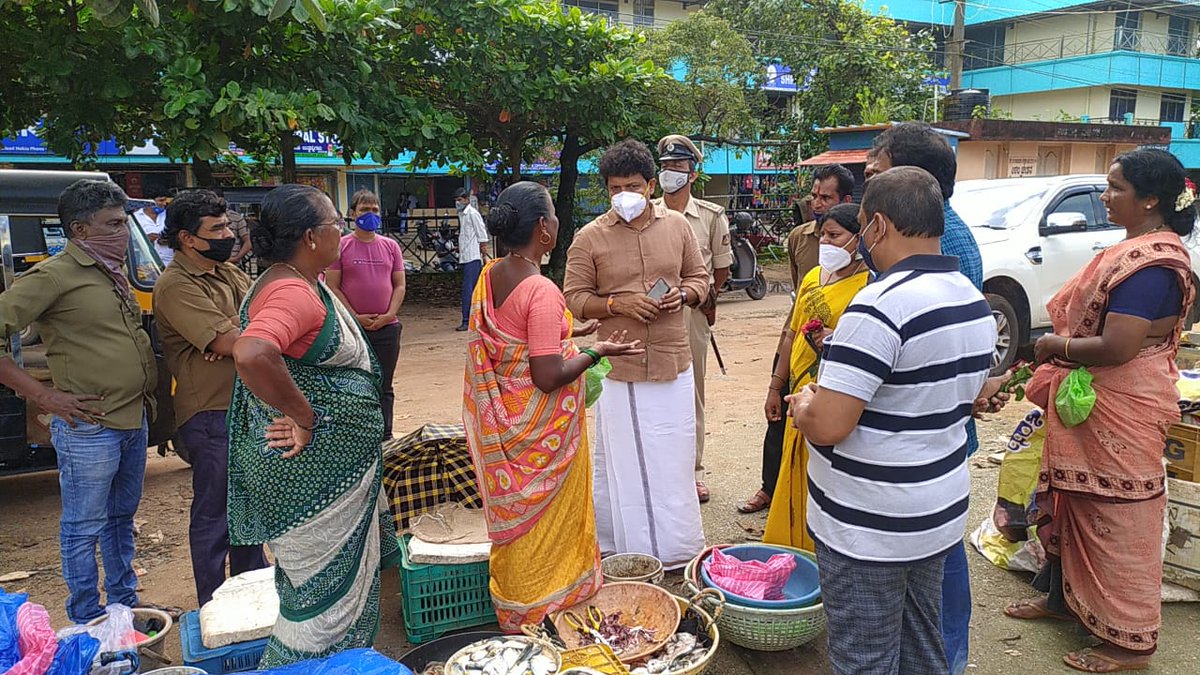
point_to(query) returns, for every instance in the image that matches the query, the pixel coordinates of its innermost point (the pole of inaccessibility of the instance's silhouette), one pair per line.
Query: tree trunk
(202, 171)
(514, 157)
(564, 202)
(287, 153)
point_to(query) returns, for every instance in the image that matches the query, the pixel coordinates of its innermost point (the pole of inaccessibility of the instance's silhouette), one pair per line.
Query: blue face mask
(158, 210)
(864, 252)
(368, 222)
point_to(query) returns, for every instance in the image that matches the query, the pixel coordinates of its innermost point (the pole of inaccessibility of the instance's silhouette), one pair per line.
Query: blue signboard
(27, 142)
(779, 78)
(314, 143)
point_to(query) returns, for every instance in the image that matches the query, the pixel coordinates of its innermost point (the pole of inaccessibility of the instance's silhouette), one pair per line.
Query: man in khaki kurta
(104, 375)
(679, 159)
(196, 301)
(832, 185)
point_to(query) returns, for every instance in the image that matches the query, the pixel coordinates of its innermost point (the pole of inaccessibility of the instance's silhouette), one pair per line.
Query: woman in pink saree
(1101, 487)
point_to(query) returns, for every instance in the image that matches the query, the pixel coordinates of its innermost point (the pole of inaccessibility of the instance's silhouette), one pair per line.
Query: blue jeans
(470, 272)
(100, 472)
(956, 609)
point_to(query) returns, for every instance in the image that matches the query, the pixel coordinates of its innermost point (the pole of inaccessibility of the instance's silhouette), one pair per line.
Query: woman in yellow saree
(523, 409)
(823, 296)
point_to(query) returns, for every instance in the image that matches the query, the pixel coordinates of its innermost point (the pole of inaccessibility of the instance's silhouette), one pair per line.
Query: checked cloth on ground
(428, 467)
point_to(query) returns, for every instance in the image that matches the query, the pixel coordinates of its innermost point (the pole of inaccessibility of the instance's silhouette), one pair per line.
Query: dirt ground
(428, 386)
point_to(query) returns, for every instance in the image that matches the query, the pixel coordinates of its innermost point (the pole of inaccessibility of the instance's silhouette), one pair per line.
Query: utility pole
(957, 42)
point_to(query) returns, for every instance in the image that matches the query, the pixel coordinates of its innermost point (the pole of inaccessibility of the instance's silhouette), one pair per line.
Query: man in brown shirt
(634, 269)
(196, 301)
(104, 376)
(832, 185)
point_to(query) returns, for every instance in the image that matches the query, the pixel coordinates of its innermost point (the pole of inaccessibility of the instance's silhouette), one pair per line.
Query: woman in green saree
(305, 429)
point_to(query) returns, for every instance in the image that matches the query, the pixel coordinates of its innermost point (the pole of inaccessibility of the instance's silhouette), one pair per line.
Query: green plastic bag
(594, 384)
(1075, 398)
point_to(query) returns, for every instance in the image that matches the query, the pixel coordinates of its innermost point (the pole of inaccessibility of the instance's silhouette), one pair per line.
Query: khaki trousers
(699, 334)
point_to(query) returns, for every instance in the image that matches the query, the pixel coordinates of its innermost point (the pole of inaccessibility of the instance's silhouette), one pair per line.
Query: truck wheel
(1007, 332)
(758, 289)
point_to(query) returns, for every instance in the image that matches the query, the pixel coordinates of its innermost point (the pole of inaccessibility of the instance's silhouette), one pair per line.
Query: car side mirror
(1062, 223)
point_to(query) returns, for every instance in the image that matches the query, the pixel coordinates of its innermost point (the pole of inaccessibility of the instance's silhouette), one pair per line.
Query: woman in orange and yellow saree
(524, 412)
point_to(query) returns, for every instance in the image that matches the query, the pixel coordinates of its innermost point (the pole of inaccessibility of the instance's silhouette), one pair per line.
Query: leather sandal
(758, 502)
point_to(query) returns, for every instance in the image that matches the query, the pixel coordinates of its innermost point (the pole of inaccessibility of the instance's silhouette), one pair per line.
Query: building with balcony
(1129, 63)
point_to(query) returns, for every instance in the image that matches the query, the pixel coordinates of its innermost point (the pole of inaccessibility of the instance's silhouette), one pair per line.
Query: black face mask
(219, 250)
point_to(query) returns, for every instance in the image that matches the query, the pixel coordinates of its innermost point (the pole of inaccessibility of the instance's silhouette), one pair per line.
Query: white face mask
(672, 181)
(833, 258)
(629, 205)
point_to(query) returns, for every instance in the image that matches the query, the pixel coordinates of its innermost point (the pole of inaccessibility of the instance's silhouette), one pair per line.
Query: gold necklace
(514, 254)
(300, 274)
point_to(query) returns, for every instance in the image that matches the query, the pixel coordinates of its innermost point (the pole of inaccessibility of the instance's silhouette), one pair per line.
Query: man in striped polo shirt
(886, 430)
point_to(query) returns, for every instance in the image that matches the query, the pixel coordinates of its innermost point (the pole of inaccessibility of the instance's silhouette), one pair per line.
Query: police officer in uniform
(679, 159)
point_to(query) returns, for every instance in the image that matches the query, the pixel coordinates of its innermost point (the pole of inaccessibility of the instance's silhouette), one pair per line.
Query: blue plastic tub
(803, 586)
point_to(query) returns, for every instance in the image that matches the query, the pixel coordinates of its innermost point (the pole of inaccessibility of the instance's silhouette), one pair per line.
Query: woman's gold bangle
(1067, 349)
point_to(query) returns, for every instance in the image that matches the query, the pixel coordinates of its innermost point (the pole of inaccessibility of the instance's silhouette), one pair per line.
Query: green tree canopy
(714, 89)
(848, 62)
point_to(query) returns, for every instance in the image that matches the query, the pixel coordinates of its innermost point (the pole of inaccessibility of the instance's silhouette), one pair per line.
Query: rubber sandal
(1037, 613)
(702, 493)
(1107, 663)
(758, 502)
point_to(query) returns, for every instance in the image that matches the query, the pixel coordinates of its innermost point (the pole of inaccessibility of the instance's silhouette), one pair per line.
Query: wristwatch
(683, 294)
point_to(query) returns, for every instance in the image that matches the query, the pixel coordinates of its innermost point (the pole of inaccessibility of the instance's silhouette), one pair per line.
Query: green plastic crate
(442, 598)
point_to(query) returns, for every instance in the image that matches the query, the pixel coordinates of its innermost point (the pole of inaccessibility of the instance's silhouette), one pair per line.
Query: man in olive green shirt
(104, 376)
(196, 303)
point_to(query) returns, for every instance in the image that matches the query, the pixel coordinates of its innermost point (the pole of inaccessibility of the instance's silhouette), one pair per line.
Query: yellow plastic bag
(1075, 398)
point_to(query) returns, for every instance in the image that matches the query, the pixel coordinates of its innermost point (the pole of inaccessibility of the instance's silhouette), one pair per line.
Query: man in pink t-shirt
(368, 277)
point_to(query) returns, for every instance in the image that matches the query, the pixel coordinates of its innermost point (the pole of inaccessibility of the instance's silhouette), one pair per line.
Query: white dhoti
(645, 453)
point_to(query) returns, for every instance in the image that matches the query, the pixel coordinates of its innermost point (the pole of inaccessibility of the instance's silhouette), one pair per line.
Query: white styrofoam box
(244, 608)
(423, 552)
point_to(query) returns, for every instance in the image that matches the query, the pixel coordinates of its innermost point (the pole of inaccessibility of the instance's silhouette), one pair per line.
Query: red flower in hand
(813, 327)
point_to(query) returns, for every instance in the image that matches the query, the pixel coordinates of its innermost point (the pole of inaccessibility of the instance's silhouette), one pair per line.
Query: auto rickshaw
(30, 232)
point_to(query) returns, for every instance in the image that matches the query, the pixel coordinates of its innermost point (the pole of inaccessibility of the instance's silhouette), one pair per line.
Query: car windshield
(998, 206)
(144, 265)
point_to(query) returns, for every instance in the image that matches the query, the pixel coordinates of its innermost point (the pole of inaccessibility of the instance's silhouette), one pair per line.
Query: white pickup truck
(1034, 235)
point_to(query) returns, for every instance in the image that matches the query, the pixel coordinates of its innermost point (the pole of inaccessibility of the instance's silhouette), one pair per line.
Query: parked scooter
(745, 273)
(441, 243)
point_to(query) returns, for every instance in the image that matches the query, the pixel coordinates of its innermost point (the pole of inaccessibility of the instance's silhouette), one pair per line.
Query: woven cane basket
(763, 630)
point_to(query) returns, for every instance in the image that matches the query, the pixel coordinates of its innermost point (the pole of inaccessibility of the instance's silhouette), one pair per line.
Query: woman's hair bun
(503, 220)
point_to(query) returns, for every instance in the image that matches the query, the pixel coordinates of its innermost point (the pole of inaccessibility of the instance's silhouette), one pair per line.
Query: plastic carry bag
(37, 641)
(1075, 398)
(75, 655)
(10, 651)
(751, 578)
(1008, 539)
(353, 662)
(595, 381)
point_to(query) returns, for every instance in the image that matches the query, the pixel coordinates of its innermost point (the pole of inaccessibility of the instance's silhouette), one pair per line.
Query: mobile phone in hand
(659, 289)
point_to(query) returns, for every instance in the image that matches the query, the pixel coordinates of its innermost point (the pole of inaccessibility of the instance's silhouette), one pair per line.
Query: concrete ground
(428, 382)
